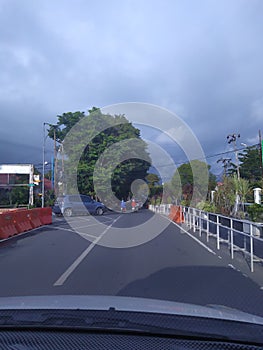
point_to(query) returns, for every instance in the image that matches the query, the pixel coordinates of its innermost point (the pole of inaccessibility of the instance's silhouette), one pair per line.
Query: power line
(204, 158)
(208, 156)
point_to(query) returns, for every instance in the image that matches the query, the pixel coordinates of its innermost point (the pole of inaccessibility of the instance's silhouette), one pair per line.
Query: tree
(185, 183)
(249, 167)
(152, 179)
(250, 164)
(225, 196)
(242, 188)
(109, 148)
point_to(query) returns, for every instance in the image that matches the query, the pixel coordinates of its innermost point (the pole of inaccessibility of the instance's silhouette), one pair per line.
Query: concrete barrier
(34, 217)
(22, 220)
(45, 215)
(7, 225)
(13, 222)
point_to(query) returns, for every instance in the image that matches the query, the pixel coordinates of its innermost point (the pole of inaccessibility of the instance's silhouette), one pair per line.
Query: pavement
(73, 257)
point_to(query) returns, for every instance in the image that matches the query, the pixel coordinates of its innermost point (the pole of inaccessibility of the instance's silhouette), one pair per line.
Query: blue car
(69, 205)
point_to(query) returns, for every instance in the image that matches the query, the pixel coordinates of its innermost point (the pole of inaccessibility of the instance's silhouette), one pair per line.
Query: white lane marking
(77, 218)
(82, 256)
(194, 238)
(232, 267)
(107, 217)
(80, 227)
(74, 231)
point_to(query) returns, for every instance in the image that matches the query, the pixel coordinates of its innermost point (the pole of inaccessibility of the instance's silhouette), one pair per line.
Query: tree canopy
(103, 146)
(183, 182)
(250, 164)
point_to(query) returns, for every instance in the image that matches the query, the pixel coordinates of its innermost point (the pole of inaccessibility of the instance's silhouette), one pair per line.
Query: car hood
(89, 302)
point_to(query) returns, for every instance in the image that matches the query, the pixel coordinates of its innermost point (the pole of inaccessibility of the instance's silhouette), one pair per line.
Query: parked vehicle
(69, 205)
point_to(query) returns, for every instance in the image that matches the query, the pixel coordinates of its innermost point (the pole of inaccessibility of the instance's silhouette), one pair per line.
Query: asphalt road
(75, 258)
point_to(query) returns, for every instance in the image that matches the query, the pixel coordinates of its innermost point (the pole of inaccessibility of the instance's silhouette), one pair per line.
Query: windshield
(131, 152)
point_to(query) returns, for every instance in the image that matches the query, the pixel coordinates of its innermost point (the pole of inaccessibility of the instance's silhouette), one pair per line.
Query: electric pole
(55, 160)
(225, 162)
(233, 138)
(260, 152)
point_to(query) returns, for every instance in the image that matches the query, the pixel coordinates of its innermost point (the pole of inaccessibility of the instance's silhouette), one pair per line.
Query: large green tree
(103, 147)
(249, 165)
(184, 182)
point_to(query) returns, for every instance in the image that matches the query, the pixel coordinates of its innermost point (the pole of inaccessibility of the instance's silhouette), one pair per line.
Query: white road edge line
(194, 238)
(82, 256)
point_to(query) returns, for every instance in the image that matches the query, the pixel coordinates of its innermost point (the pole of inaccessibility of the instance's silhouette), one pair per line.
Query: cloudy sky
(201, 59)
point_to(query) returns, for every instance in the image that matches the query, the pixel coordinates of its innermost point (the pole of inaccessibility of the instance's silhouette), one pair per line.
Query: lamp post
(43, 160)
(43, 168)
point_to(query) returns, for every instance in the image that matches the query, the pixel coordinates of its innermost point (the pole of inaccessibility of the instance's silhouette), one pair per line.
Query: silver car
(69, 205)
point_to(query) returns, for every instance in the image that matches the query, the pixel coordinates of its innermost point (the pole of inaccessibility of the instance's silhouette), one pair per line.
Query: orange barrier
(17, 221)
(34, 218)
(7, 225)
(176, 214)
(45, 216)
(22, 220)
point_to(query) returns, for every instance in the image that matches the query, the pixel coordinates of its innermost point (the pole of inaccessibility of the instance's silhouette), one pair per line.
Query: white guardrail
(161, 209)
(239, 235)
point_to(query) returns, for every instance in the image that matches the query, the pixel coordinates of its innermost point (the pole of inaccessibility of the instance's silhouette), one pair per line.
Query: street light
(44, 162)
(43, 168)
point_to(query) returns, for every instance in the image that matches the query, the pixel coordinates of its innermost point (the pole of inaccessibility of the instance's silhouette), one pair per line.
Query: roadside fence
(240, 236)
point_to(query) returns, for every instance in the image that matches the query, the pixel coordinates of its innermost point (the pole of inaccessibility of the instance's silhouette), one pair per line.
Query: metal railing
(161, 209)
(239, 235)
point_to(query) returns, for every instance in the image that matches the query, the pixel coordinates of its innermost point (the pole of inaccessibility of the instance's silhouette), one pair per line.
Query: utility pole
(233, 138)
(44, 163)
(260, 152)
(63, 164)
(55, 161)
(43, 169)
(225, 162)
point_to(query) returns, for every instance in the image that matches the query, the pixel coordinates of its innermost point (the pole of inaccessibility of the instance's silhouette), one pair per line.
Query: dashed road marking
(61, 280)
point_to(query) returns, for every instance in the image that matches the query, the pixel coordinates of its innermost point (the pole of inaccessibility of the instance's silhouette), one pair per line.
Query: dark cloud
(200, 59)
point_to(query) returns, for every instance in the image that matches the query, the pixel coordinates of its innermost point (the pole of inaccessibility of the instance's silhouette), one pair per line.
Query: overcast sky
(201, 59)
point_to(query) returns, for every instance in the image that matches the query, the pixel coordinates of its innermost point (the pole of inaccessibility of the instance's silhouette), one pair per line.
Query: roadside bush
(255, 212)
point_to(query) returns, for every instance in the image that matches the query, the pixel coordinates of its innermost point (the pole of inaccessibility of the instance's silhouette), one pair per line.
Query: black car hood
(89, 302)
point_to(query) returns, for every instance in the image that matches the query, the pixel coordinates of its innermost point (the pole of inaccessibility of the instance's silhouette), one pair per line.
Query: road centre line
(61, 280)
